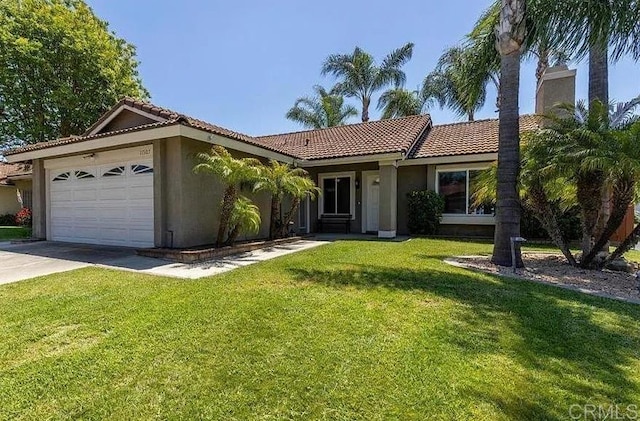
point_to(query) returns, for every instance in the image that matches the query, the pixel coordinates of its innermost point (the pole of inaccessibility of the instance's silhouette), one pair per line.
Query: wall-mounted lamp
(90, 156)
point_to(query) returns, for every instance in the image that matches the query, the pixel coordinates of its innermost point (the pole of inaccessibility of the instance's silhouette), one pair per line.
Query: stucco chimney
(557, 86)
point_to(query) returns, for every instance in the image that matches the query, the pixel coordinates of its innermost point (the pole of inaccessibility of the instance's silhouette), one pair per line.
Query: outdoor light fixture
(515, 242)
(90, 156)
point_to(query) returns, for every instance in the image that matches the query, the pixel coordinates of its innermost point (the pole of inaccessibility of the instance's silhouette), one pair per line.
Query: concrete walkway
(29, 260)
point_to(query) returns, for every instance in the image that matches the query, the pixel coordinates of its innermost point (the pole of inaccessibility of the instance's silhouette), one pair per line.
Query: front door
(373, 202)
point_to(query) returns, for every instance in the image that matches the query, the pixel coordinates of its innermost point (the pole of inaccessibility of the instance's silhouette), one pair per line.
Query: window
(114, 172)
(83, 174)
(457, 188)
(141, 169)
(62, 177)
(338, 195)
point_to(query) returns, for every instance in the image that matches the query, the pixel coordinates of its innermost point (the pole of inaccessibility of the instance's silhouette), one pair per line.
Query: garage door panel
(112, 193)
(116, 209)
(61, 196)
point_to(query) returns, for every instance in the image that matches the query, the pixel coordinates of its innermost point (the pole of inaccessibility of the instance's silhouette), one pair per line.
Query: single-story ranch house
(128, 179)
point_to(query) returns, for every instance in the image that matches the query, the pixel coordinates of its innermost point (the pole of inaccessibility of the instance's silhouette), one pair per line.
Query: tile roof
(374, 137)
(408, 135)
(8, 170)
(171, 118)
(466, 138)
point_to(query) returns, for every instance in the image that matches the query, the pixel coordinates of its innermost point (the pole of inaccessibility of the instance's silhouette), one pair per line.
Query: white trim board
(119, 110)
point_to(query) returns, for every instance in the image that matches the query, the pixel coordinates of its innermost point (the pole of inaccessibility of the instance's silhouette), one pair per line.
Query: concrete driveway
(29, 260)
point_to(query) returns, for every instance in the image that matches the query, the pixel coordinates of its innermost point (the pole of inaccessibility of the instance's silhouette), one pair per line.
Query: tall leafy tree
(232, 172)
(325, 109)
(511, 37)
(60, 69)
(360, 76)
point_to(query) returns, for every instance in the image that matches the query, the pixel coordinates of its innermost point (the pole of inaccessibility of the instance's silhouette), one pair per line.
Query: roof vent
(306, 142)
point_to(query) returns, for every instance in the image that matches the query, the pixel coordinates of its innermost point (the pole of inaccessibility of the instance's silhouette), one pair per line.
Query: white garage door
(108, 204)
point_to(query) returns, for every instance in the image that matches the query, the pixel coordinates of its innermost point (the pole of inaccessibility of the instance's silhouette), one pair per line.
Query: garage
(102, 198)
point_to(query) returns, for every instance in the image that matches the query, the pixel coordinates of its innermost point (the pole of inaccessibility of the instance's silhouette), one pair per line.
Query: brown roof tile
(171, 117)
(375, 137)
(466, 138)
(8, 170)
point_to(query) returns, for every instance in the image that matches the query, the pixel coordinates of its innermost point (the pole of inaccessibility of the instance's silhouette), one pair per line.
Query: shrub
(23, 217)
(425, 210)
(8, 219)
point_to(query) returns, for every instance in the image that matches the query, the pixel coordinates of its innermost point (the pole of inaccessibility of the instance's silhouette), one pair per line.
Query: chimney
(557, 86)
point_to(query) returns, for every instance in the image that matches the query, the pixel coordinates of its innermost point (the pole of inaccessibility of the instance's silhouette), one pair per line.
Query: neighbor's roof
(9, 170)
(474, 137)
(374, 137)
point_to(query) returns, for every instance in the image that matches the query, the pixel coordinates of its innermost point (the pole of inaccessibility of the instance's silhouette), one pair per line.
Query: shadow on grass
(558, 333)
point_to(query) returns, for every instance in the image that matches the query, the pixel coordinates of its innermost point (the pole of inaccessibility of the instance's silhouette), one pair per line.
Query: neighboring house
(128, 180)
(15, 187)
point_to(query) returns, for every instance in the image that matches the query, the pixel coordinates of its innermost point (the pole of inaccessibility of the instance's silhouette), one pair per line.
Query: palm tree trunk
(230, 195)
(598, 74)
(508, 202)
(471, 116)
(233, 235)
(622, 198)
(288, 217)
(543, 64)
(546, 215)
(275, 214)
(630, 242)
(365, 108)
(599, 91)
(589, 191)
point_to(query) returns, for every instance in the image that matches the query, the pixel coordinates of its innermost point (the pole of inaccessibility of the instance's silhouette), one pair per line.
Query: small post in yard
(514, 241)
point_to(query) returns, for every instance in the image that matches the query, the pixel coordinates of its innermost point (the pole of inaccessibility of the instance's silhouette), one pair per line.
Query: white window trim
(352, 191)
(465, 218)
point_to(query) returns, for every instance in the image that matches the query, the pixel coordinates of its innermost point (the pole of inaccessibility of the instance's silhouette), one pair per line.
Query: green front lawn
(352, 330)
(14, 233)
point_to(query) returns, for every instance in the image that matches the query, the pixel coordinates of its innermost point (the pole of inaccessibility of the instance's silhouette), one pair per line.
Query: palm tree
(360, 76)
(325, 109)
(302, 188)
(245, 216)
(482, 40)
(400, 102)
(456, 83)
(280, 180)
(511, 37)
(232, 172)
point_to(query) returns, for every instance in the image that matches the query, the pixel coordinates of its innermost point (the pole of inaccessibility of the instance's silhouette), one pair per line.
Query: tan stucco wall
(125, 120)
(410, 178)
(8, 200)
(187, 206)
(356, 225)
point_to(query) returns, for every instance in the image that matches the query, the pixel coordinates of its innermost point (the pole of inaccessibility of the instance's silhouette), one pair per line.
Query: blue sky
(241, 64)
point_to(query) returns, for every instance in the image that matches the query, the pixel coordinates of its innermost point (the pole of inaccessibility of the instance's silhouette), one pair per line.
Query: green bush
(8, 220)
(425, 209)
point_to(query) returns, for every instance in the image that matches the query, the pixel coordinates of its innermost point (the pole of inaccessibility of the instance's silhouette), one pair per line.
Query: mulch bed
(553, 269)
